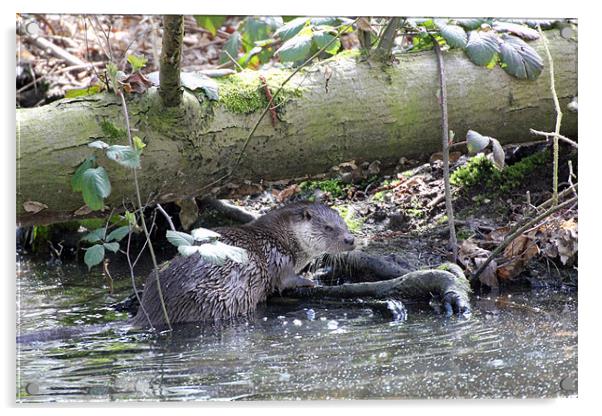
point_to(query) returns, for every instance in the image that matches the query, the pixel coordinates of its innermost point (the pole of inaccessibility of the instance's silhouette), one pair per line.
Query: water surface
(522, 345)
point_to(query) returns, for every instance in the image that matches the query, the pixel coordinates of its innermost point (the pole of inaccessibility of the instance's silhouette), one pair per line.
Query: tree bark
(171, 57)
(368, 113)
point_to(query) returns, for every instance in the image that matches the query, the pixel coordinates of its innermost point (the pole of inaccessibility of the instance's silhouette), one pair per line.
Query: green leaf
(94, 255)
(118, 233)
(94, 236)
(82, 92)
(519, 59)
(198, 80)
(472, 24)
(98, 144)
(124, 155)
(203, 234)
(76, 180)
(482, 47)
(178, 238)
(211, 23)
(114, 246)
(95, 187)
(499, 157)
(257, 29)
(138, 143)
(321, 38)
(475, 142)
(217, 252)
(454, 35)
(295, 49)
(519, 30)
(130, 218)
(137, 62)
(232, 46)
(186, 250)
(291, 28)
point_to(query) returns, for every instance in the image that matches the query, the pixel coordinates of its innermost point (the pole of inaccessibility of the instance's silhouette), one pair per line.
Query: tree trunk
(365, 113)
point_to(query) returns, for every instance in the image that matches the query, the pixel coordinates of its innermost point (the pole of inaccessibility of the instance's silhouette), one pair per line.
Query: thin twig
(561, 195)
(139, 198)
(233, 60)
(560, 136)
(558, 115)
(453, 242)
(167, 217)
(133, 277)
(519, 230)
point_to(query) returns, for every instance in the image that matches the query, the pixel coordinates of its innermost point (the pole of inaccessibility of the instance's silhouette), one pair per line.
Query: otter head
(320, 230)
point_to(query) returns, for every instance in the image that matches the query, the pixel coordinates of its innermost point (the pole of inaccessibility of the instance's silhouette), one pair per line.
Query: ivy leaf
(95, 187)
(519, 30)
(291, 28)
(454, 35)
(475, 142)
(211, 23)
(198, 80)
(178, 238)
(499, 157)
(98, 144)
(124, 155)
(321, 38)
(203, 234)
(118, 233)
(94, 236)
(232, 46)
(76, 180)
(94, 255)
(137, 62)
(482, 47)
(295, 49)
(258, 29)
(114, 246)
(519, 59)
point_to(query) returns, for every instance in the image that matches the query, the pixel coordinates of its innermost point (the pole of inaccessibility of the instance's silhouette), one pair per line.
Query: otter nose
(349, 239)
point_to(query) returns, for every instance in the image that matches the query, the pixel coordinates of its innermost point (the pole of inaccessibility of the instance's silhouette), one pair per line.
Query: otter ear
(306, 215)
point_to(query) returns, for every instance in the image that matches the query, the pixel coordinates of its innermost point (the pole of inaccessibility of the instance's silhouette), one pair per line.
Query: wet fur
(279, 245)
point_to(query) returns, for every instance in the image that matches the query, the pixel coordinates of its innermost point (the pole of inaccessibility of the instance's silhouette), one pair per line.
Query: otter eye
(328, 228)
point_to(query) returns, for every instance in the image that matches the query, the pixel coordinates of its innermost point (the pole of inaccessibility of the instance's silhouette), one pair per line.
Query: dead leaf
(136, 82)
(34, 206)
(488, 276)
(286, 193)
(84, 210)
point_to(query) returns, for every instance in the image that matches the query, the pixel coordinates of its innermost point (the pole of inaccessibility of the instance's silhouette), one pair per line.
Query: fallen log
(369, 112)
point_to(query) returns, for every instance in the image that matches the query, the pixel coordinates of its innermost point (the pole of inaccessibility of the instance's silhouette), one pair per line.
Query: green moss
(353, 223)
(480, 171)
(379, 196)
(243, 92)
(112, 132)
(335, 187)
(463, 234)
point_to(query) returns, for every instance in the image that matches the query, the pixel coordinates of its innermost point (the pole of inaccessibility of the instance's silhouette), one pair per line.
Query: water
(522, 346)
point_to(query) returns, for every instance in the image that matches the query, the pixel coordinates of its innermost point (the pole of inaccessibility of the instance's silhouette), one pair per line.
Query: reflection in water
(522, 346)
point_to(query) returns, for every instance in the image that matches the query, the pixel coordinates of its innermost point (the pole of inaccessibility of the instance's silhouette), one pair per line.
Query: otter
(279, 245)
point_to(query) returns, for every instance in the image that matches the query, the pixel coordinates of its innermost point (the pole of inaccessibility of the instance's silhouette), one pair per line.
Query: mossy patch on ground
(480, 171)
(335, 187)
(353, 222)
